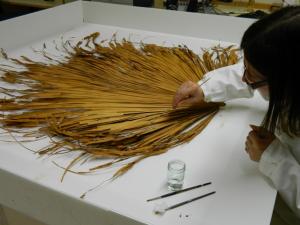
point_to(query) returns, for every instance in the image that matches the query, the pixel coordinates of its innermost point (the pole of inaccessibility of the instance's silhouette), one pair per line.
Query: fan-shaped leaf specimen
(109, 100)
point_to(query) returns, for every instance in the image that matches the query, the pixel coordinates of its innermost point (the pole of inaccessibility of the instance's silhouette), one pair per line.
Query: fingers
(261, 132)
(182, 93)
(250, 146)
(255, 145)
(188, 93)
(246, 146)
(248, 149)
(255, 128)
(249, 141)
(187, 101)
(251, 137)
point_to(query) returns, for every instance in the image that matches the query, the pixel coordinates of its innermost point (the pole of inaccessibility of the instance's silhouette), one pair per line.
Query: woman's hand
(257, 142)
(188, 93)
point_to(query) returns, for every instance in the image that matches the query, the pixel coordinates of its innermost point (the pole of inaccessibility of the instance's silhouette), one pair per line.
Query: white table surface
(32, 185)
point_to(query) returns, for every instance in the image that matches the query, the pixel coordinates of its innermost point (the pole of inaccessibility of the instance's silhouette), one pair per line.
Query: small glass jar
(176, 170)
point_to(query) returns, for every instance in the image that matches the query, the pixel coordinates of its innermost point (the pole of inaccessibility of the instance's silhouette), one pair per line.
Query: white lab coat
(280, 162)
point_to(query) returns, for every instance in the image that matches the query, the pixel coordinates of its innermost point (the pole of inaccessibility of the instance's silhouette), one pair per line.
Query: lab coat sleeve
(225, 83)
(279, 164)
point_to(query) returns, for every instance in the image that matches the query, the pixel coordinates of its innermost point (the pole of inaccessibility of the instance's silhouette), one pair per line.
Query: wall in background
(124, 2)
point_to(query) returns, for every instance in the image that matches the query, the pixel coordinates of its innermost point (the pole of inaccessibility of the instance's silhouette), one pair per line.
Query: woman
(271, 49)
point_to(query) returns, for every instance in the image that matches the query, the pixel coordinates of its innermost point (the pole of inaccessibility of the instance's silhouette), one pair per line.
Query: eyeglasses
(254, 85)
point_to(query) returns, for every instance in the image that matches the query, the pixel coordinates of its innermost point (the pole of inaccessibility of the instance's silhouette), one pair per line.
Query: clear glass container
(176, 170)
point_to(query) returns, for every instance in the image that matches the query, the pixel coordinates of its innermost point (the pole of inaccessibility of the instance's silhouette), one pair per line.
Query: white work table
(31, 185)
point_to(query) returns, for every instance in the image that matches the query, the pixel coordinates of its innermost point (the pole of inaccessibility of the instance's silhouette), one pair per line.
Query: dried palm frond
(109, 100)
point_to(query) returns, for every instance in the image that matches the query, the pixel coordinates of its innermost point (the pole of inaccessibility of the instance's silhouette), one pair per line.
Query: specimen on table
(107, 99)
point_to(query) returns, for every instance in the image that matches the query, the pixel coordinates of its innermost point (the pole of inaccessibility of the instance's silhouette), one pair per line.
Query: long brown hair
(272, 47)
